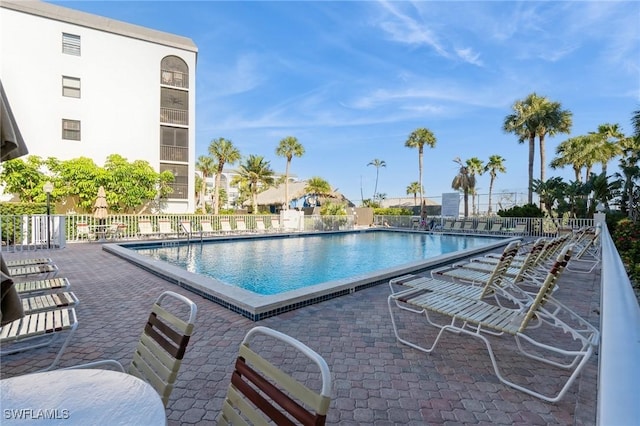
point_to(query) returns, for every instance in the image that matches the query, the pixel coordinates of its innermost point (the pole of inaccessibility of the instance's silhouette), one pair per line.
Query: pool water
(269, 266)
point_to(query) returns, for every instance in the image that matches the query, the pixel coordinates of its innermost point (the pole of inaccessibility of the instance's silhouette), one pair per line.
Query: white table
(80, 397)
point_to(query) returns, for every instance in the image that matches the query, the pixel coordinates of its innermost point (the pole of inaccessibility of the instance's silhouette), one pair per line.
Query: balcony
(174, 153)
(180, 191)
(174, 116)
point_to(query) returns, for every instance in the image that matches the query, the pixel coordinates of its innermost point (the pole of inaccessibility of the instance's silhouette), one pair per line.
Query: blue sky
(352, 79)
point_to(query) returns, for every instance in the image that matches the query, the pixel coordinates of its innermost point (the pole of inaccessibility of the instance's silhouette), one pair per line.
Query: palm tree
(536, 115)
(288, 148)
(224, 152)
(552, 119)
(463, 181)
(607, 140)
(256, 172)
(414, 188)
(475, 167)
(317, 187)
(629, 169)
(574, 152)
(550, 191)
(205, 166)
(418, 139)
(493, 166)
(377, 164)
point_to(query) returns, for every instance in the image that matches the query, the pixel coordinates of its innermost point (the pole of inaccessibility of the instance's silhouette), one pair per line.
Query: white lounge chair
(145, 229)
(41, 286)
(206, 228)
(260, 225)
(37, 330)
(47, 302)
(48, 270)
(165, 229)
(225, 225)
(476, 318)
(241, 225)
(28, 262)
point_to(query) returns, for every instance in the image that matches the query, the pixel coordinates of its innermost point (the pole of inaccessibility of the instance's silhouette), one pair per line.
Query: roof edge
(101, 23)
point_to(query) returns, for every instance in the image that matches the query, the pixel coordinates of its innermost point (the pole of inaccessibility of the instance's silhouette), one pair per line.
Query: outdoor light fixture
(48, 189)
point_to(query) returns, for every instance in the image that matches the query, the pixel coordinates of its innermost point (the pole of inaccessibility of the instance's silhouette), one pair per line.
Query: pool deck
(376, 379)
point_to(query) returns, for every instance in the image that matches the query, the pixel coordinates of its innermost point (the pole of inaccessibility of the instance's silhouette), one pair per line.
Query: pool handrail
(619, 361)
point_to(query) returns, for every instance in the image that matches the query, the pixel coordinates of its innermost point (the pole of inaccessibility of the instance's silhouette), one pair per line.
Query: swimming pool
(265, 275)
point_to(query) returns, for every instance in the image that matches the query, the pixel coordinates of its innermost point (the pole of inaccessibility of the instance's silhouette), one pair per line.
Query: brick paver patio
(376, 379)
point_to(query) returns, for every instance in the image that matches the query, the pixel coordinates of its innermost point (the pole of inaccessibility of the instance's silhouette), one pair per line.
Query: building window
(71, 129)
(70, 87)
(174, 72)
(174, 144)
(180, 185)
(71, 44)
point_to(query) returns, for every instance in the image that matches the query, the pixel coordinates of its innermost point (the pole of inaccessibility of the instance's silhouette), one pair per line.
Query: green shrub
(627, 241)
(392, 211)
(526, 210)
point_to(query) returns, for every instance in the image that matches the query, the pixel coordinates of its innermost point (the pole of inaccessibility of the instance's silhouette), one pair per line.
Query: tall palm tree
(552, 119)
(463, 181)
(205, 166)
(414, 188)
(475, 167)
(377, 164)
(493, 166)
(536, 116)
(418, 139)
(224, 152)
(318, 187)
(288, 148)
(257, 172)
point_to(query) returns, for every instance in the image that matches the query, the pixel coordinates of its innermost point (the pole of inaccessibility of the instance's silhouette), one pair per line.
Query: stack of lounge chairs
(47, 305)
(507, 294)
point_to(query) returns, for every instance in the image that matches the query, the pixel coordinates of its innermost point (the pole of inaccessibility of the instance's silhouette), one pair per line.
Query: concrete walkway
(376, 379)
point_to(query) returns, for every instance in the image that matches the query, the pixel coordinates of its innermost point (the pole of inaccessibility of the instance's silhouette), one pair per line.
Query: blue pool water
(268, 266)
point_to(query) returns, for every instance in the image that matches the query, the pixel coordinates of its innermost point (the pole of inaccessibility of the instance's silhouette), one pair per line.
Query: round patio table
(80, 397)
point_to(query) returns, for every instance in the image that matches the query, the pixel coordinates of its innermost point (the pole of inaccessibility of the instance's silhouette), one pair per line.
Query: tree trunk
(420, 152)
(286, 186)
(216, 190)
(532, 153)
(543, 160)
(490, 209)
(466, 203)
(203, 189)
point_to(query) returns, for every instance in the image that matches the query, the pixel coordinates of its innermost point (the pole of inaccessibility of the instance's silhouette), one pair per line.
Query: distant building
(85, 85)
(274, 198)
(232, 191)
(406, 202)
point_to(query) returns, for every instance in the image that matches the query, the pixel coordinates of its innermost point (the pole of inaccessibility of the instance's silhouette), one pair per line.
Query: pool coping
(257, 307)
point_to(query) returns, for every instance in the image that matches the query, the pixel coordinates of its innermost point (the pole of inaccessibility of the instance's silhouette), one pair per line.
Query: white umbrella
(11, 143)
(100, 208)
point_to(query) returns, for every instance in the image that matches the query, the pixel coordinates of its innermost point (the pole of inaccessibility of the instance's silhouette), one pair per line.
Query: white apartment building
(85, 85)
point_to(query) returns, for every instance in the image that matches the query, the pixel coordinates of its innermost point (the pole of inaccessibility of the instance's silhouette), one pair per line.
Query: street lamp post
(48, 189)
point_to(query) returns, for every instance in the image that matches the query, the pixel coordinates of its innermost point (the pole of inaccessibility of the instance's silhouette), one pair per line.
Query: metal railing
(619, 369)
(32, 232)
(174, 116)
(534, 226)
(174, 153)
(19, 231)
